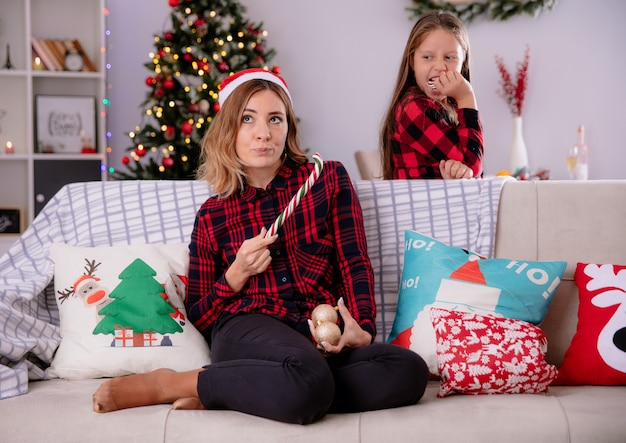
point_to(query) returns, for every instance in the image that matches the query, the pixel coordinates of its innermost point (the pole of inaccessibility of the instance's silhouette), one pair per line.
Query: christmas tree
(208, 40)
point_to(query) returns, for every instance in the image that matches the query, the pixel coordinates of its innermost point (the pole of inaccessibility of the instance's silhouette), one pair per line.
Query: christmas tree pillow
(121, 311)
(438, 275)
(483, 354)
(597, 353)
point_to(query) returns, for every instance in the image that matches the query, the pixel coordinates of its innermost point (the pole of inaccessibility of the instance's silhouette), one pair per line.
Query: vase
(518, 156)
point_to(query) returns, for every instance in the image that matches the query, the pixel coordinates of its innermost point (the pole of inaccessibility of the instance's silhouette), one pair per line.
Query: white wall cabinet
(29, 177)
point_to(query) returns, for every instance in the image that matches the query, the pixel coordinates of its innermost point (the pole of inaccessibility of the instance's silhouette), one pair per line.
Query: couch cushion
(471, 419)
(597, 354)
(577, 221)
(61, 411)
(122, 311)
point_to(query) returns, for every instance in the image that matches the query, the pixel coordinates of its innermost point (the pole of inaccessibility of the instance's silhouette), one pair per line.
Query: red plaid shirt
(422, 138)
(319, 256)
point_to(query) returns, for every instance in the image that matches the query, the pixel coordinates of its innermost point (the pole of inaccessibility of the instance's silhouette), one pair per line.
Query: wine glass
(571, 161)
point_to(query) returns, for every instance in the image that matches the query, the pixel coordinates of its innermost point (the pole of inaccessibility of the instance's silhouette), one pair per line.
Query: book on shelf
(59, 59)
(42, 52)
(52, 53)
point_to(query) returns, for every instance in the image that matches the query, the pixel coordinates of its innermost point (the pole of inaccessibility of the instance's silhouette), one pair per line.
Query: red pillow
(486, 354)
(597, 354)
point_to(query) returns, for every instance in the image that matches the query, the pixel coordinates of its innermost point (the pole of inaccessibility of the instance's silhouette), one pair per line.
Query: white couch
(573, 221)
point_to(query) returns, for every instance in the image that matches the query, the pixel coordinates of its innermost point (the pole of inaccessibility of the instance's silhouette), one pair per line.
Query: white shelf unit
(51, 19)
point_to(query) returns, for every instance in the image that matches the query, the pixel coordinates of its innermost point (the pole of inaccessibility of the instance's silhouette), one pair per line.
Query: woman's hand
(252, 258)
(353, 335)
(451, 169)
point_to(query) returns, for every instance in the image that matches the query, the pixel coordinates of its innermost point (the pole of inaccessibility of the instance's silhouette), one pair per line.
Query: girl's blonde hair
(428, 22)
(219, 165)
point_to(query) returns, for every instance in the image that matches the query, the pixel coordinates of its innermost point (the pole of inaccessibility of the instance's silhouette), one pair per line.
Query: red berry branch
(513, 92)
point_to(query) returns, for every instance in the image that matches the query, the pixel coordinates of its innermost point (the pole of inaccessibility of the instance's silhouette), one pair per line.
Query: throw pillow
(439, 275)
(483, 354)
(121, 311)
(597, 353)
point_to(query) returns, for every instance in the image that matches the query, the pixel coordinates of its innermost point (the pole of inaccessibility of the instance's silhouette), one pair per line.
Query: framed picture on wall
(11, 220)
(65, 124)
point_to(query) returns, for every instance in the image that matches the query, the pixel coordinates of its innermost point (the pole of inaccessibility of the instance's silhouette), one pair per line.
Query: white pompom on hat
(230, 83)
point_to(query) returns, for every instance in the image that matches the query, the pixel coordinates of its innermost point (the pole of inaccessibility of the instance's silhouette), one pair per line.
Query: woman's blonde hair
(428, 22)
(219, 165)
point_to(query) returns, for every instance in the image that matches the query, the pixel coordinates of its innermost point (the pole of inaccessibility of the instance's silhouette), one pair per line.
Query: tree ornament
(324, 318)
(170, 133)
(168, 83)
(159, 93)
(125, 160)
(327, 333)
(186, 128)
(140, 151)
(204, 106)
(167, 162)
(151, 81)
(194, 108)
(324, 312)
(174, 3)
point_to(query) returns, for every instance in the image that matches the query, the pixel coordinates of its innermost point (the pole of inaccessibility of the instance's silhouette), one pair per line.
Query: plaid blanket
(460, 212)
(457, 212)
(81, 214)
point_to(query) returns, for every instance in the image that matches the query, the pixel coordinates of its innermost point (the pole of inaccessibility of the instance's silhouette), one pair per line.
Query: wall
(340, 59)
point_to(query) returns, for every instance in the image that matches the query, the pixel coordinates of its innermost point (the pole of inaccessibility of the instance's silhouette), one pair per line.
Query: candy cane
(295, 201)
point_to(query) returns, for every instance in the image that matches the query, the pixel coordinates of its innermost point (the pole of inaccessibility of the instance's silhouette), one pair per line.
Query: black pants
(263, 367)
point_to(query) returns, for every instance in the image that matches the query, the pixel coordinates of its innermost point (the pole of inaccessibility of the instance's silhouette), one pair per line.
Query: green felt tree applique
(137, 305)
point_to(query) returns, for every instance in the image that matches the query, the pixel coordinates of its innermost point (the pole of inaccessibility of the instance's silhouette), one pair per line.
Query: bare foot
(152, 388)
(188, 403)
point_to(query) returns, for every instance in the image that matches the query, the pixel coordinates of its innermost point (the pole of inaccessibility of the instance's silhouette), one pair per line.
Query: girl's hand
(451, 169)
(353, 335)
(252, 258)
(453, 84)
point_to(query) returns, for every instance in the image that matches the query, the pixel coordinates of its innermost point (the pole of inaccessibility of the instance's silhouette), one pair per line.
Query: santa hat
(230, 83)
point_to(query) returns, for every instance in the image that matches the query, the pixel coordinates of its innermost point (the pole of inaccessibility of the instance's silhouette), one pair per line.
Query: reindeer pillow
(597, 353)
(121, 311)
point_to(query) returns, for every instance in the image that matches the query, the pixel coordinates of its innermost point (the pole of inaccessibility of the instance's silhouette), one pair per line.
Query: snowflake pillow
(121, 311)
(439, 275)
(483, 354)
(597, 353)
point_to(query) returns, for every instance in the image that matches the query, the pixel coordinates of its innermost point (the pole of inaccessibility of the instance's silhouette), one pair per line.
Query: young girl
(432, 128)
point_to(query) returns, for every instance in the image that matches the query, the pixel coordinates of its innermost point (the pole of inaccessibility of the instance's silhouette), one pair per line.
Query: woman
(251, 296)
(432, 128)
